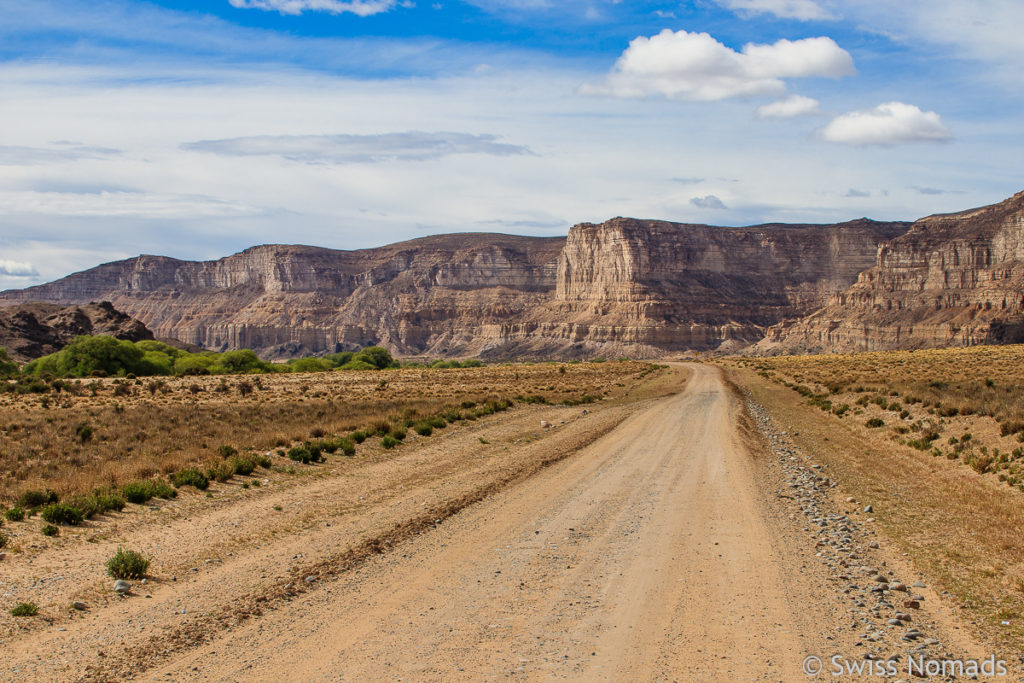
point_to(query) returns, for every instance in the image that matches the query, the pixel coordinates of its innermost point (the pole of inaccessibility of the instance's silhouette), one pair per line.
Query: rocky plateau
(631, 287)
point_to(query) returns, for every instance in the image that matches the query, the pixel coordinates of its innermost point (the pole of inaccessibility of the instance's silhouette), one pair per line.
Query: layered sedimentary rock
(629, 287)
(32, 330)
(651, 287)
(430, 295)
(951, 280)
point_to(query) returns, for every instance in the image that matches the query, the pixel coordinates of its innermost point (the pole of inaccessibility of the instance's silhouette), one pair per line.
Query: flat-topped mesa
(951, 280)
(426, 295)
(624, 287)
(677, 286)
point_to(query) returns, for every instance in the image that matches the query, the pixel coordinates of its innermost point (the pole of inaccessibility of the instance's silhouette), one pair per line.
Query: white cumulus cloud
(788, 107)
(887, 124)
(362, 8)
(17, 268)
(695, 66)
(805, 10)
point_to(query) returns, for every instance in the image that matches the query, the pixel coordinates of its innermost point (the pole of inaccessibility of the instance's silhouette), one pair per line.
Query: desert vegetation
(102, 356)
(81, 447)
(961, 404)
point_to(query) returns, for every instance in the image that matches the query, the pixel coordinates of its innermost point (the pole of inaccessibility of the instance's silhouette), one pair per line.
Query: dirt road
(663, 550)
(643, 557)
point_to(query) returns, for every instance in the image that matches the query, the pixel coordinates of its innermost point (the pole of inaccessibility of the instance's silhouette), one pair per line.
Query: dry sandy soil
(673, 538)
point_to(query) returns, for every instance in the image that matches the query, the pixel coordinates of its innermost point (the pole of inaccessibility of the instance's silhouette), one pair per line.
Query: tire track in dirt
(643, 557)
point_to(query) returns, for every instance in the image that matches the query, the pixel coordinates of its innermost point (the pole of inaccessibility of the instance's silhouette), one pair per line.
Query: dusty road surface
(643, 557)
(656, 540)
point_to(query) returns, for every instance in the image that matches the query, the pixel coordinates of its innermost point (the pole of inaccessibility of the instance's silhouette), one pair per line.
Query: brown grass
(111, 431)
(927, 399)
(959, 526)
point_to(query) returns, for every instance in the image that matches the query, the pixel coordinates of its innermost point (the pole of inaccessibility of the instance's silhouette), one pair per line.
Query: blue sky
(197, 129)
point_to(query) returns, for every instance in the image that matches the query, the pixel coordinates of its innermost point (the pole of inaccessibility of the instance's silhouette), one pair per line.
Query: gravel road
(673, 539)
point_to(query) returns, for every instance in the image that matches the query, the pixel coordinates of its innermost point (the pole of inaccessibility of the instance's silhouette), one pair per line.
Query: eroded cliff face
(624, 287)
(664, 287)
(432, 295)
(951, 280)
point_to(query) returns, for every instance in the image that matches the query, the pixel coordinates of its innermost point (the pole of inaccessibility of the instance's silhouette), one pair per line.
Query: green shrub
(358, 436)
(24, 609)
(375, 356)
(306, 453)
(33, 498)
(398, 432)
(15, 514)
(263, 461)
(190, 477)
(50, 530)
(389, 442)
(226, 451)
(242, 465)
(98, 502)
(221, 472)
(127, 564)
(84, 431)
(140, 491)
(875, 422)
(62, 513)
(924, 442)
(423, 429)
(4, 539)
(8, 368)
(437, 422)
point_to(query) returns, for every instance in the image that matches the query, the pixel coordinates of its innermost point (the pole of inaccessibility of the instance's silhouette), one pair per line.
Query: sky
(198, 129)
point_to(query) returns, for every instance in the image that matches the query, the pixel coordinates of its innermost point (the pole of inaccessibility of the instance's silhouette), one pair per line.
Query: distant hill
(32, 330)
(625, 287)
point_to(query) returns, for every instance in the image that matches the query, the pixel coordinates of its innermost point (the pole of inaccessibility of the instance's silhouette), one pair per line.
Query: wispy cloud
(355, 149)
(785, 9)
(887, 124)
(789, 107)
(31, 156)
(117, 204)
(362, 8)
(695, 66)
(933, 191)
(856, 194)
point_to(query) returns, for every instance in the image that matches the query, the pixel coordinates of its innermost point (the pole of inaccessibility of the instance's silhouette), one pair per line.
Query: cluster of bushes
(369, 358)
(101, 356)
(74, 510)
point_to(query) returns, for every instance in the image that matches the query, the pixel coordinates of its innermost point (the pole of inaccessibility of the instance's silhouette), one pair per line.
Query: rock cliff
(32, 330)
(624, 287)
(655, 287)
(951, 280)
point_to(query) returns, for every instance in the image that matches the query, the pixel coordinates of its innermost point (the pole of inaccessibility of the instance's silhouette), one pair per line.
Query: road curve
(645, 556)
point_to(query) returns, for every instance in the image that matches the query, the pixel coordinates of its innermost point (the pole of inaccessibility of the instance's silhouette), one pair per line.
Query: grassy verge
(960, 527)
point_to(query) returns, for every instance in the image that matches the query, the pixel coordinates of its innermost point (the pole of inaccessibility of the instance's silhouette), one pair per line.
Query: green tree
(8, 368)
(340, 358)
(84, 356)
(376, 356)
(310, 365)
